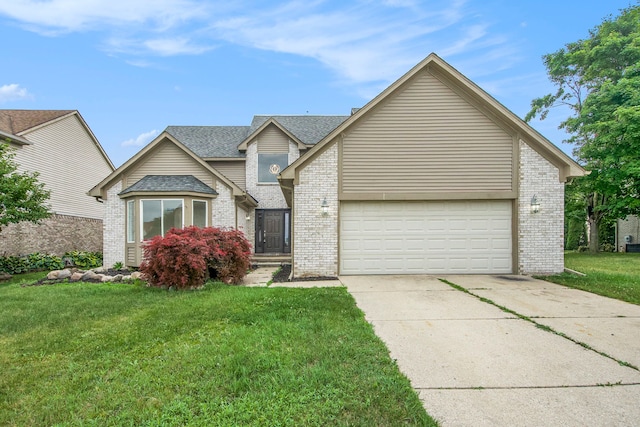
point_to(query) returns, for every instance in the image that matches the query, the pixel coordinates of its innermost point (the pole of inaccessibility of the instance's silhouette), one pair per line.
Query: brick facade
(114, 226)
(540, 235)
(224, 208)
(55, 236)
(315, 236)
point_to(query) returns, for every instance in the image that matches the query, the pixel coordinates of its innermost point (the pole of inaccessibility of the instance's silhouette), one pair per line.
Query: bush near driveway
(614, 275)
(115, 354)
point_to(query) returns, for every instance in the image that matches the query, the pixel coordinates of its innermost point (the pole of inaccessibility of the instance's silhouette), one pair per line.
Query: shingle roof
(308, 129)
(223, 141)
(170, 183)
(16, 121)
(211, 141)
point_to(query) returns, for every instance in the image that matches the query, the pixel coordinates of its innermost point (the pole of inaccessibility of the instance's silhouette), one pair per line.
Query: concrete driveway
(475, 364)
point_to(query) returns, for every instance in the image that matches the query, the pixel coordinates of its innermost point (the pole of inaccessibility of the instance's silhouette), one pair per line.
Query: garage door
(467, 237)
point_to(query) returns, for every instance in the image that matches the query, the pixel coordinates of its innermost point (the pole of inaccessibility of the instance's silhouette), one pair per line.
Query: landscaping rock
(105, 278)
(136, 275)
(100, 270)
(117, 278)
(53, 275)
(90, 275)
(76, 277)
(64, 274)
(4, 276)
(126, 278)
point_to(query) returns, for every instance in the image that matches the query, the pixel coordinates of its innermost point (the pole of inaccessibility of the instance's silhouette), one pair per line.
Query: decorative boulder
(53, 275)
(64, 274)
(4, 276)
(90, 275)
(76, 277)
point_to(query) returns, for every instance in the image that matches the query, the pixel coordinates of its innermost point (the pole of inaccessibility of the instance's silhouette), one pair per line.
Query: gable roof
(567, 166)
(211, 141)
(14, 124)
(18, 121)
(169, 183)
(99, 190)
(308, 129)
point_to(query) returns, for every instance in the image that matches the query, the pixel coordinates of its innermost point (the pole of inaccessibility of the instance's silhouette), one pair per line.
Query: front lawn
(118, 354)
(614, 275)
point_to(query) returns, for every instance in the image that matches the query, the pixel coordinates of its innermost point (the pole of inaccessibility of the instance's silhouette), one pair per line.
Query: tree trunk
(594, 238)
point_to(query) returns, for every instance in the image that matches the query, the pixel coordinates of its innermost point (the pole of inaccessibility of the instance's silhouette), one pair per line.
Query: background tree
(22, 197)
(598, 79)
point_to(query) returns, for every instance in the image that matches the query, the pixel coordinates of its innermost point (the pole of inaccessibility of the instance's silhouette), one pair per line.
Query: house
(432, 176)
(628, 234)
(60, 146)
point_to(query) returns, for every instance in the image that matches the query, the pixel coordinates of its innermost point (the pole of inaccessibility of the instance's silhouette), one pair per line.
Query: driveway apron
(508, 350)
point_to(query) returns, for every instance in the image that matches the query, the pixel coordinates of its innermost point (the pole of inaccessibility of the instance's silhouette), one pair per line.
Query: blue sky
(133, 67)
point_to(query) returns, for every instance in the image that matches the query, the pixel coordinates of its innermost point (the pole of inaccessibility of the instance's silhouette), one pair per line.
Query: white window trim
(206, 212)
(161, 216)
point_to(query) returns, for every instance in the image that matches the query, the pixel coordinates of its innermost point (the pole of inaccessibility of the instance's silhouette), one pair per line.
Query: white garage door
(468, 237)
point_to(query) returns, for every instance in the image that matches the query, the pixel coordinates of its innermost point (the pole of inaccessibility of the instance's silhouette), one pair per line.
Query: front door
(273, 231)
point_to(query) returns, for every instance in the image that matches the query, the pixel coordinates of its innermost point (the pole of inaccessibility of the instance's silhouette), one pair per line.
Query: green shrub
(84, 260)
(14, 265)
(38, 262)
(607, 247)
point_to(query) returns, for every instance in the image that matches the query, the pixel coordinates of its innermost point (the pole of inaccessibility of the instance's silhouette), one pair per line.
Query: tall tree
(598, 78)
(22, 197)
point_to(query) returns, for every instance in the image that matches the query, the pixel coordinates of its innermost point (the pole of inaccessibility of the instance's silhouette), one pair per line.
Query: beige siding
(273, 140)
(167, 159)
(69, 164)
(427, 138)
(234, 170)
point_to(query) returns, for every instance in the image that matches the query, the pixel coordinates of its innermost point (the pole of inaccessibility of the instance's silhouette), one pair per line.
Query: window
(131, 221)
(270, 165)
(199, 213)
(159, 216)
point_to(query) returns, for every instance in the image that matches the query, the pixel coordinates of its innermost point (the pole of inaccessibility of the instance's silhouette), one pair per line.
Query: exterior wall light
(325, 207)
(535, 205)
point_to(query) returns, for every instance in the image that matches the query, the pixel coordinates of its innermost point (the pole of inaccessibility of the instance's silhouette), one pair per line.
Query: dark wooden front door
(273, 231)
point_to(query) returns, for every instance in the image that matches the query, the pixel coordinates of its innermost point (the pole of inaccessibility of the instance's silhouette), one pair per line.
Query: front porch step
(270, 260)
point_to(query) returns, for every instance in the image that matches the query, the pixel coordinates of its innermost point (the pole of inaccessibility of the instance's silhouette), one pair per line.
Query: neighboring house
(58, 145)
(433, 176)
(628, 234)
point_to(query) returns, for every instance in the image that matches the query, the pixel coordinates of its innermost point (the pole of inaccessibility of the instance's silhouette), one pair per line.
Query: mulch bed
(285, 270)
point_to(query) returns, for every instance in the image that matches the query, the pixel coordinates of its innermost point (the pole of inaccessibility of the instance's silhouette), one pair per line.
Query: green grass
(614, 275)
(117, 354)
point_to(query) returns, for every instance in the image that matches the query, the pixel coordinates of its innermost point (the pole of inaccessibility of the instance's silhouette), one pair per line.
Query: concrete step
(270, 260)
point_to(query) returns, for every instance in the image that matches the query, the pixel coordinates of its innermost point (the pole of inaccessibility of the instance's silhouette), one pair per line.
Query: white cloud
(140, 140)
(364, 42)
(367, 44)
(51, 16)
(13, 92)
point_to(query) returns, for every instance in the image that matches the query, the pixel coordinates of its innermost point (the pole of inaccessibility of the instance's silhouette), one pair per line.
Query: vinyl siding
(427, 138)
(167, 159)
(233, 170)
(69, 164)
(273, 140)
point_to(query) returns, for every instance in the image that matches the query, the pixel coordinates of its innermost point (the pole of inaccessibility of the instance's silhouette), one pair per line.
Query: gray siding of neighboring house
(427, 138)
(630, 226)
(69, 163)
